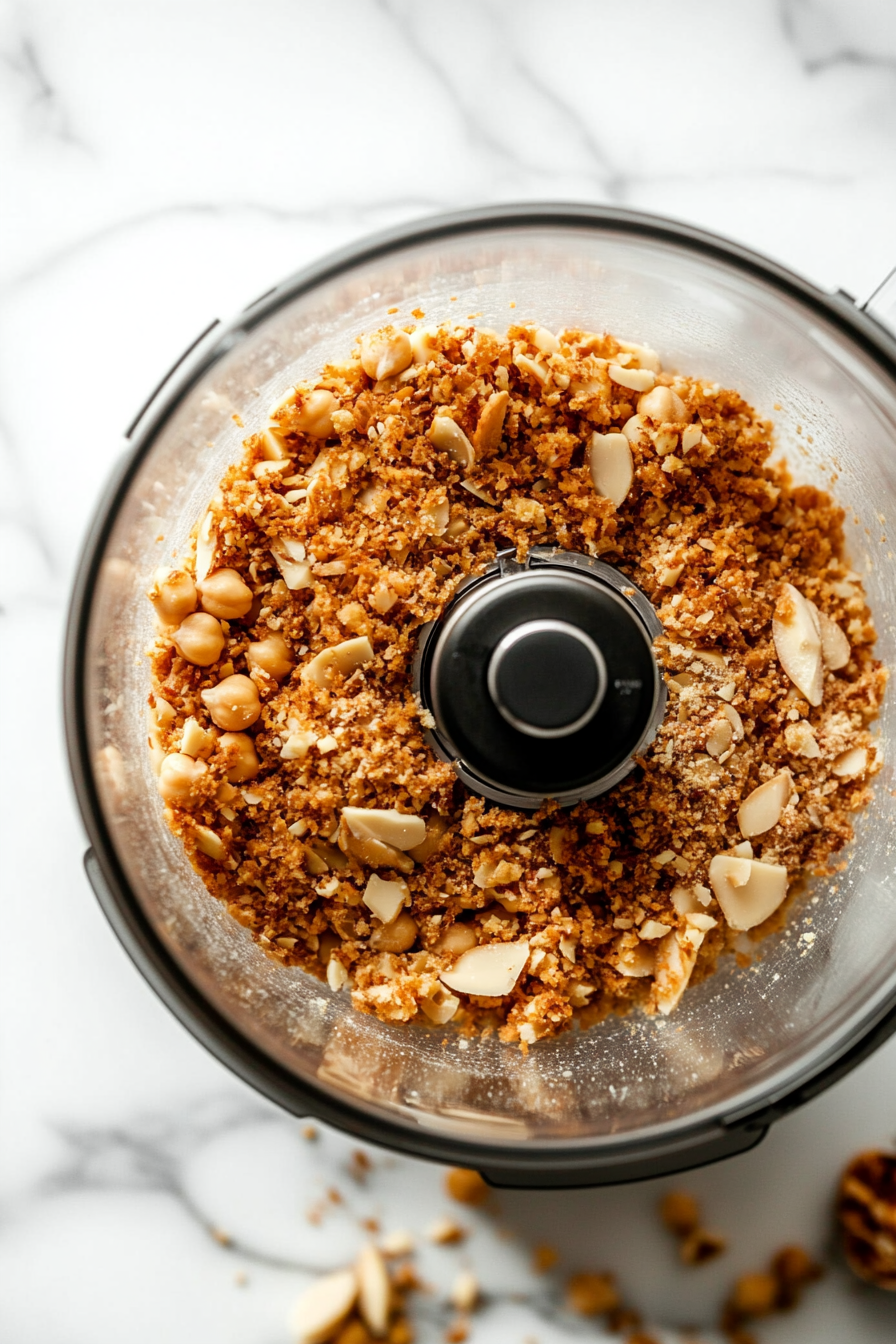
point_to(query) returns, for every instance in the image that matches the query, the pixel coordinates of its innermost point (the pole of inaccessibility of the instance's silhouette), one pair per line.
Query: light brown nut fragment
(491, 423)
(675, 960)
(491, 970)
(297, 746)
(391, 827)
(224, 594)
(385, 353)
(637, 380)
(633, 961)
(647, 358)
(337, 975)
(533, 368)
(383, 598)
(208, 842)
(423, 344)
(344, 659)
(719, 737)
(691, 435)
(761, 809)
(374, 1291)
(397, 1242)
(270, 655)
(434, 517)
(447, 435)
(445, 1232)
(545, 341)
(592, 1294)
(465, 1291)
(748, 891)
(313, 414)
(466, 1186)
(173, 596)
(634, 429)
(662, 406)
(754, 1295)
(850, 764)
(835, 648)
(241, 756)
(612, 470)
(373, 852)
(795, 629)
(440, 1007)
(701, 1246)
(398, 936)
(323, 1307)
(385, 898)
(289, 557)
(456, 940)
(273, 447)
(233, 704)
(206, 545)
(178, 777)
(801, 741)
(196, 740)
(653, 928)
(199, 639)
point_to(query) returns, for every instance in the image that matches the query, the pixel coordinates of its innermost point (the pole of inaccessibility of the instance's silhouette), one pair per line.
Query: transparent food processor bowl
(633, 1089)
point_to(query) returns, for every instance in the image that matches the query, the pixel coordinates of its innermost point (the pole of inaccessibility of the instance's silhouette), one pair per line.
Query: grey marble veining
(164, 163)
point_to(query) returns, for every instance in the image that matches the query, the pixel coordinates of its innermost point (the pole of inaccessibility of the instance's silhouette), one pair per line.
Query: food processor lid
(540, 680)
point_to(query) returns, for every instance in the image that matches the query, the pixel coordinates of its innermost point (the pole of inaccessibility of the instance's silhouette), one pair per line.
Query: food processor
(633, 1095)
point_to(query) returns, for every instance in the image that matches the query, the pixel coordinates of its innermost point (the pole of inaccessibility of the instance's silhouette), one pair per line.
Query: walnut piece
(866, 1210)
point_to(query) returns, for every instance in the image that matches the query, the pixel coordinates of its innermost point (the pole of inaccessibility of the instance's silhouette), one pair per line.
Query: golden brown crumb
(680, 1212)
(446, 1232)
(350, 528)
(544, 1258)
(310, 1133)
(700, 1246)
(466, 1186)
(592, 1294)
(458, 1331)
(866, 1209)
(779, 1288)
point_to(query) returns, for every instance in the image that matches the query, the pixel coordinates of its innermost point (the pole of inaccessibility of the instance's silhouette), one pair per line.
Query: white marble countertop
(164, 163)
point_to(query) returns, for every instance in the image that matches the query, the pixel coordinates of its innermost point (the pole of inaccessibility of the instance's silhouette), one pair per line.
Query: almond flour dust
(290, 751)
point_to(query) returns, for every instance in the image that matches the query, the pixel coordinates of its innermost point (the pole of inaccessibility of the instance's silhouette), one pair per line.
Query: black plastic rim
(624, 1158)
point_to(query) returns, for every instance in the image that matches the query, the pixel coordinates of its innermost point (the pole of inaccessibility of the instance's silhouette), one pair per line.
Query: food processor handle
(881, 303)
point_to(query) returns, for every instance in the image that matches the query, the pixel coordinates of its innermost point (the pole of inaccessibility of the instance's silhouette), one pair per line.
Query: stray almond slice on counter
(796, 632)
(850, 764)
(374, 1291)
(323, 1307)
(748, 891)
(385, 899)
(391, 827)
(346, 658)
(491, 970)
(637, 380)
(761, 809)
(835, 649)
(447, 435)
(612, 470)
(491, 423)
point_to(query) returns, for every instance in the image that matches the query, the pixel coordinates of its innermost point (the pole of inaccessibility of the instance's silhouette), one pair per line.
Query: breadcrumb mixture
(282, 680)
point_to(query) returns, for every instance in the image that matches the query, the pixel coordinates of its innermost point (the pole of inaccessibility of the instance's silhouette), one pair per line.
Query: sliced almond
(634, 429)
(653, 928)
(206, 546)
(297, 745)
(675, 960)
(801, 741)
(835, 649)
(545, 341)
(748, 891)
(850, 764)
(196, 740)
(761, 809)
(480, 494)
(491, 970)
(491, 423)
(273, 447)
(345, 658)
(719, 737)
(447, 435)
(737, 723)
(434, 517)
(690, 437)
(533, 367)
(662, 406)
(296, 570)
(386, 824)
(207, 842)
(385, 899)
(337, 975)
(797, 637)
(612, 470)
(374, 1291)
(323, 1307)
(568, 946)
(699, 919)
(647, 358)
(688, 900)
(440, 1007)
(638, 380)
(636, 961)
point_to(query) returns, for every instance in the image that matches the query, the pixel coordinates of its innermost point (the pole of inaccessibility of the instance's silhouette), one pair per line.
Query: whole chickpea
(233, 704)
(315, 414)
(224, 594)
(178, 778)
(242, 758)
(271, 655)
(174, 596)
(398, 936)
(459, 938)
(385, 353)
(199, 639)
